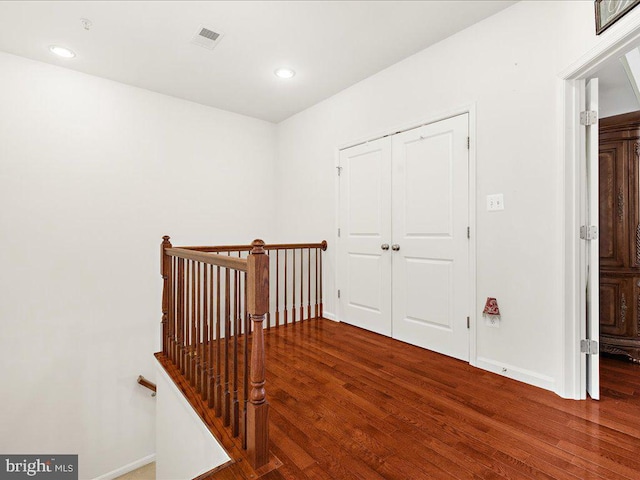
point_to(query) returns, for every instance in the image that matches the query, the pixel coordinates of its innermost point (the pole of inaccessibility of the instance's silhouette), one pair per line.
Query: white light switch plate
(495, 202)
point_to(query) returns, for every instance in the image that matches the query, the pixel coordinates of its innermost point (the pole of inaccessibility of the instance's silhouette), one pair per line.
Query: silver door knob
(384, 246)
(395, 247)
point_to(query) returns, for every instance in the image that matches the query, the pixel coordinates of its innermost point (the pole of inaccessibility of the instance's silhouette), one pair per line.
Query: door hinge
(468, 143)
(588, 117)
(468, 232)
(338, 232)
(468, 323)
(338, 293)
(588, 232)
(339, 168)
(590, 347)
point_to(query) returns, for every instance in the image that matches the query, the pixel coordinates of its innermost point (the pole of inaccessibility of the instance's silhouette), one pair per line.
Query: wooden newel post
(257, 307)
(165, 272)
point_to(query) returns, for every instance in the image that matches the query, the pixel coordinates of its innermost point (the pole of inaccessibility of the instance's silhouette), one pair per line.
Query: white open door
(364, 257)
(592, 245)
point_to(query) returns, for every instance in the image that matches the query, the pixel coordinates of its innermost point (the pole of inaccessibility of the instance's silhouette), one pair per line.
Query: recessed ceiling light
(284, 73)
(61, 51)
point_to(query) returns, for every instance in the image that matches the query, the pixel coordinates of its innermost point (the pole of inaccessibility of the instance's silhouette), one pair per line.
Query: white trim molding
(330, 316)
(520, 374)
(130, 467)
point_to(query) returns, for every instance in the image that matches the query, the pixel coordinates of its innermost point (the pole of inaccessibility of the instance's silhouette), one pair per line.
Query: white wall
(506, 67)
(617, 101)
(185, 448)
(92, 174)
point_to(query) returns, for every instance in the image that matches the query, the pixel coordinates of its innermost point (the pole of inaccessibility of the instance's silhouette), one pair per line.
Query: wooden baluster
(186, 324)
(176, 326)
(308, 283)
(268, 322)
(187, 316)
(202, 336)
(188, 320)
(324, 248)
(207, 384)
(176, 316)
(211, 365)
(181, 315)
(293, 287)
(197, 329)
(165, 272)
(245, 366)
(204, 349)
(277, 288)
(286, 300)
(192, 319)
(317, 307)
(226, 406)
(218, 389)
(258, 306)
(236, 324)
(203, 330)
(301, 285)
(172, 308)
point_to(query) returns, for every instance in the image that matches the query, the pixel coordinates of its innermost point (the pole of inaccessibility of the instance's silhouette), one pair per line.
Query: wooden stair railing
(147, 384)
(287, 267)
(215, 306)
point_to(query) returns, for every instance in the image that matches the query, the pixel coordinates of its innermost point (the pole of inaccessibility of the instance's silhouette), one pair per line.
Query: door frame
(434, 117)
(573, 186)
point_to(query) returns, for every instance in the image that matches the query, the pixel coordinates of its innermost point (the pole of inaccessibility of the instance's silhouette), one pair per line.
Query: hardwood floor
(350, 404)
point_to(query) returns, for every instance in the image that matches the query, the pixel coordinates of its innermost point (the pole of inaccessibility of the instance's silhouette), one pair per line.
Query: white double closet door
(403, 249)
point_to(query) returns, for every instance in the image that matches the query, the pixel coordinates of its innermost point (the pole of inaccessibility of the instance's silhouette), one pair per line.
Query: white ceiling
(330, 44)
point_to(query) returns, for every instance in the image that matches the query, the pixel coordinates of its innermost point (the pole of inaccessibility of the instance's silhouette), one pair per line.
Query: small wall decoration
(491, 313)
(610, 11)
(491, 309)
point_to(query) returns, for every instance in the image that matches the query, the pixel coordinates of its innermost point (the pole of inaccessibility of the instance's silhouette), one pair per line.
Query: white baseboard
(522, 375)
(329, 316)
(118, 472)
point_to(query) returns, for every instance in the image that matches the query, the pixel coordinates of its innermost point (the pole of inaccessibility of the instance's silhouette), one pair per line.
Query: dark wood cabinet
(619, 239)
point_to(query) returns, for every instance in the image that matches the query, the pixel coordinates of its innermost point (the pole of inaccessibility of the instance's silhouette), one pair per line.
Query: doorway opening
(612, 214)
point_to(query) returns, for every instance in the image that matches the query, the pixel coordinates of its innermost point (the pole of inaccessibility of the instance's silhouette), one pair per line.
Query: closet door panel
(364, 267)
(430, 190)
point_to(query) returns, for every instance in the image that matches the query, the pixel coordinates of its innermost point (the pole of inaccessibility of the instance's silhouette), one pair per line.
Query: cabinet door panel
(613, 204)
(617, 305)
(633, 154)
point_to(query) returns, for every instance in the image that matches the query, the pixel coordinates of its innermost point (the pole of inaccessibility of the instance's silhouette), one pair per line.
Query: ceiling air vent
(206, 38)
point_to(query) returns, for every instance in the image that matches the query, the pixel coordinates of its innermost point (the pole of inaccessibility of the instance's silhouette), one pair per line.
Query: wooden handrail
(147, 384)
(247, 248)
(208, 258)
